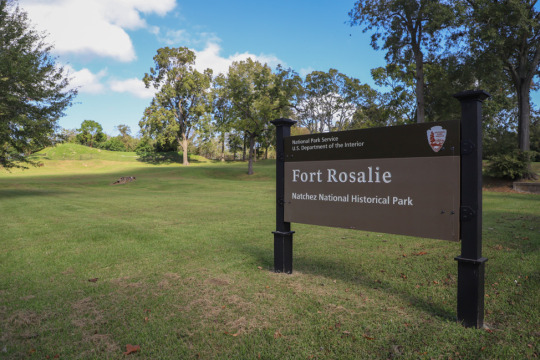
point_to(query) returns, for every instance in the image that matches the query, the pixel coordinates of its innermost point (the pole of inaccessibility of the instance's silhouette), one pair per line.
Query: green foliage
(33, 89)
(411, 31)
(66, 135)
(130, 143)
(535, 137)
(144, 148)
(181, 101)
(394, 107)
(113, 144)
(514, 165)
(328, 100)
(91, 133)
(259, 96)
(498, 141)
(234, 142)
(511, 43)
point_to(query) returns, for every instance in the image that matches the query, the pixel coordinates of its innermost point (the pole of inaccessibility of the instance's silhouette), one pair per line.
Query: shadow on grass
(335, 270)
(17, 193)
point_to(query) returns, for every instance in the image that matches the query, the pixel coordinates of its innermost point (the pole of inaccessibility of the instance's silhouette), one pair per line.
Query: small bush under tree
(514, 165)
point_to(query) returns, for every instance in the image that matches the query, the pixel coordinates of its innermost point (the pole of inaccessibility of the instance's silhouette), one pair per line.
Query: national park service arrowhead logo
(436, 137)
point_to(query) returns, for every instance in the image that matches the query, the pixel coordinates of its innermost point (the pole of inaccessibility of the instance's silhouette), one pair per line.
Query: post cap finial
(479, 95)
(283, 122)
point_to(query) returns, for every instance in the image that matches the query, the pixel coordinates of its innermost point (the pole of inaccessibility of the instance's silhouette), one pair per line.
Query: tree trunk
(222, 146)
(524, 116)
(251, 153)
(184, 144)
(244, 153)
(419, 76)
(266, 153)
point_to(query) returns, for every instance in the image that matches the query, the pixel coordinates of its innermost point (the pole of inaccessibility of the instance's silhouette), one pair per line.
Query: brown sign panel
(415, 195)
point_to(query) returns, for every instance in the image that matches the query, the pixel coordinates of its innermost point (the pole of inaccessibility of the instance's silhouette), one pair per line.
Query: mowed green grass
(181, 264)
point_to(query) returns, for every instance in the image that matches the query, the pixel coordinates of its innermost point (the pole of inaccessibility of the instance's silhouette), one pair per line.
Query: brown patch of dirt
(333, 309)
(68, 271)
(86, 314)
(217, 301)
(171, 279)
(216, 281)
(497, 185)
(125, 283)
(240, 302)
(172, 276)
(238, 326)
(24, 318)
(88, 318)
(104, 343)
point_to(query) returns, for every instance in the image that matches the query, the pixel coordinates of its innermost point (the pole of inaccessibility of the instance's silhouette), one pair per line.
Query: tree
(129, 142)
(507, 34)
(412, 31)
(234, 142)
(389, 108)
(328, 101)
(258, 96)
(222, 109)
(183, 97)
(114, 144)
(34, 90)
(90, 133)
(66, 136)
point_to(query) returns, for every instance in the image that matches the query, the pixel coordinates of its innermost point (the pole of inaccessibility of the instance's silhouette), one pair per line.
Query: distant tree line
(91, 134)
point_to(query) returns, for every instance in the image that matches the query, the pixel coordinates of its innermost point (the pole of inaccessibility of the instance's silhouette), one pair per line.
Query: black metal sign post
(471, 264)
(283, 236)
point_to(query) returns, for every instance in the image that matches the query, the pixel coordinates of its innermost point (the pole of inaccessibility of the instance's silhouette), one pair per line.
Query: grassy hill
(70, 151)
(80, 152)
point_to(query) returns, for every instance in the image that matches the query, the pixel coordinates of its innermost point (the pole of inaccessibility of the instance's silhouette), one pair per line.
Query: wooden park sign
(420, 180)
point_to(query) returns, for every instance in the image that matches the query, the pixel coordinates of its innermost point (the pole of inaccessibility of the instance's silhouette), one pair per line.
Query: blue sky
(108, 45)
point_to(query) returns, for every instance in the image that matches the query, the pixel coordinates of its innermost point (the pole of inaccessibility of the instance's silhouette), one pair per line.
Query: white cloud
(304, 71)
(86, 81)
(133, 86)
(95, 27)
(154, 30)
(175, 37)
(210, 58)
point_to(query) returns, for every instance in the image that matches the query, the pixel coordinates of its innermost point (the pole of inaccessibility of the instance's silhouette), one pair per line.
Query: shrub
(144, 148)
(113, 144)
(514, 165)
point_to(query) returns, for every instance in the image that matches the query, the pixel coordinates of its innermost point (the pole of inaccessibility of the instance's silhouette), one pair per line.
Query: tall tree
(393, 107)
(411, 31)
(506, 33)
(126, 138)
(327, 101)
(90, 133)
(222, 110)
(234, 142)
(183, 97)
(258, 96)
(34, 90)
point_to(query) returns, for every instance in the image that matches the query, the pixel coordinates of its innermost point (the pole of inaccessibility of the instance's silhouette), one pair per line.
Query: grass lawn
(179, 263)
